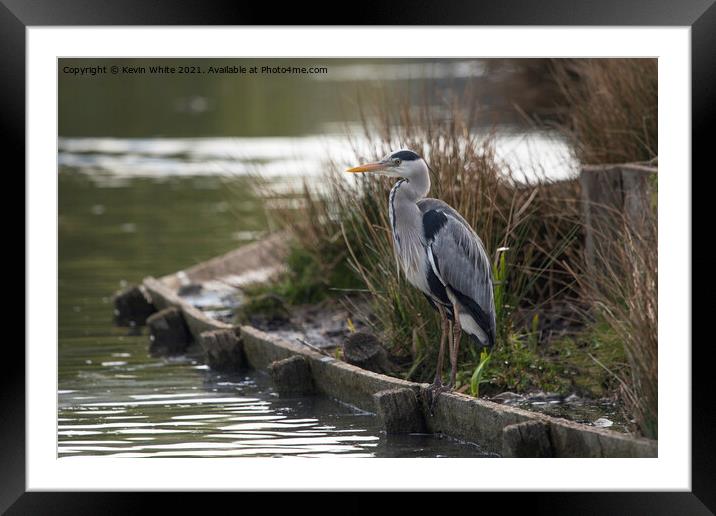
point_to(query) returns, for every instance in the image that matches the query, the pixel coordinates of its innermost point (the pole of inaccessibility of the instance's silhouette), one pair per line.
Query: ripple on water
(242, 417)
(115, 400)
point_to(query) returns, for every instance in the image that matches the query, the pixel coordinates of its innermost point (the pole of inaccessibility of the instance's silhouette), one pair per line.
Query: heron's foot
(435, 389)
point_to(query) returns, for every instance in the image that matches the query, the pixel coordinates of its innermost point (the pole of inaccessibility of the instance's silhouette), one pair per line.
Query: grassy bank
(612, 118)
(556, 331)
(342, 243)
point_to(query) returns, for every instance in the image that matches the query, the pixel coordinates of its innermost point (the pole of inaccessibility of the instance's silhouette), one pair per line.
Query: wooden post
(613, 195)
(223, 350)
(168, 333)
(399, 411)
(363, 350)
(527, 439)
(292, 376)
(132, 306)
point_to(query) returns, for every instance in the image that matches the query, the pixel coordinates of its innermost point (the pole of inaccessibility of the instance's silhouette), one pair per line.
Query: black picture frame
(700, 15)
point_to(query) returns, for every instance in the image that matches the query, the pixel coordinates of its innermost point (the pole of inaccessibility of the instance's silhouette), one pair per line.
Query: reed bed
(612, 118)
(612, 108)
(533, 230)
(621, 288)
(529, 228)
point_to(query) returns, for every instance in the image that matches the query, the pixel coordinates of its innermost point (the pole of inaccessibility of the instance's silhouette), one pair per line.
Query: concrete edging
(456, 415)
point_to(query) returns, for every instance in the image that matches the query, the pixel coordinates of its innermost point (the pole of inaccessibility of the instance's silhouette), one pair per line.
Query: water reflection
(229, 416)
(110, 161)
(115, 400)
(149, 197)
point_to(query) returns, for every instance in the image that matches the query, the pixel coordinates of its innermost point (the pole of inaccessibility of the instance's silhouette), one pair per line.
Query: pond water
(117, 401)
(132, 207)
(149, 183)
(151, 217)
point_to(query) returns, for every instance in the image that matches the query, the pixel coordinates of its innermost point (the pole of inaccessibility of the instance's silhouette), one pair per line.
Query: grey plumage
(461, 263)
(439, 253)
(430, 236)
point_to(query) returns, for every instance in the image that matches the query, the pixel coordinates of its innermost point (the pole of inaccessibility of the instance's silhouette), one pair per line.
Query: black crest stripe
(405, 155)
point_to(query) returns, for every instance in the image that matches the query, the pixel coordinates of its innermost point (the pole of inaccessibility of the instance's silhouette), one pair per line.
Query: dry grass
(612, 108)
(342, 234)
(622, 288)
(612, 118)
(537, 221)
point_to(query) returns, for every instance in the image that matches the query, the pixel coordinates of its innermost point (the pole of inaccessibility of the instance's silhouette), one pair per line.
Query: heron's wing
(458, 258)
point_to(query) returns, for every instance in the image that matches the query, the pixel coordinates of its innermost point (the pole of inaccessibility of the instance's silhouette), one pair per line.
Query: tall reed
(622, 288)
(612, 108)
(534, 223)
(612, 118)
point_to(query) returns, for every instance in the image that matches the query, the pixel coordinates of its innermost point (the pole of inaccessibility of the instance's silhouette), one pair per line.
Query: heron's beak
(368, 167)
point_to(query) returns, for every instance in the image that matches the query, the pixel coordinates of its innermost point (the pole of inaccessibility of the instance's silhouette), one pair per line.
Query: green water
(151, 179)
(114, 399)
(180, 104)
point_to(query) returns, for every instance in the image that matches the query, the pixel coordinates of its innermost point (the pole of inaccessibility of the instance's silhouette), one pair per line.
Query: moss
(303, 283)
(306, 281)
(263, 309)
(518, 367)
(315, 275)
(563, 366)
(595, 357)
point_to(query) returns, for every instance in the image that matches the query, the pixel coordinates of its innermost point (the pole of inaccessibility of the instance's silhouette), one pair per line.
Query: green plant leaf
(476, 378)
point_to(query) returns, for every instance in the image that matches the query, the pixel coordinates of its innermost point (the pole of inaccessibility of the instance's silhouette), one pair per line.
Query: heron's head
(401, 163)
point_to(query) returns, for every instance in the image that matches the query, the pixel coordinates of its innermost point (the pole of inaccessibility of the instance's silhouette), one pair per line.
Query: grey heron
(441, 255)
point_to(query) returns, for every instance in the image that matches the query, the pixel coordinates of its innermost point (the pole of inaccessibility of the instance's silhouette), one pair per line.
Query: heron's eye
(396, 162)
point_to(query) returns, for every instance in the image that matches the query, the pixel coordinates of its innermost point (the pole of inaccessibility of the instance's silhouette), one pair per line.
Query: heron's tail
(479, 344)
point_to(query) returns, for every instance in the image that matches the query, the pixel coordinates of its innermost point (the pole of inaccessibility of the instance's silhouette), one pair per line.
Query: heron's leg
(446, 334)
(445, 329)
(455, 346)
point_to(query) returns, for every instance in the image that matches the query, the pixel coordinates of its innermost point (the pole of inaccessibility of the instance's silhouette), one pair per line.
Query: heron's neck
(404, 212)
(414, 188)
(406, 220)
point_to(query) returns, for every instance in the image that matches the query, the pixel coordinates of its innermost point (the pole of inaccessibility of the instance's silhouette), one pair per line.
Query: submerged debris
(292, 376)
